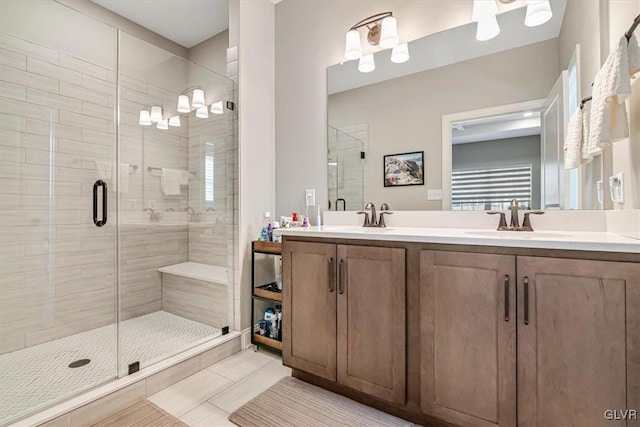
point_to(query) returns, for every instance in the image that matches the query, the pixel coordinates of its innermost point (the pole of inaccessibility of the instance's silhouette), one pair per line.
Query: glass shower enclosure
(346, 170)
(116, 232)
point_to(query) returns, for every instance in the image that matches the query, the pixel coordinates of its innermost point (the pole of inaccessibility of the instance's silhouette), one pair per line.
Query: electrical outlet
(310, 197)
(434, 194)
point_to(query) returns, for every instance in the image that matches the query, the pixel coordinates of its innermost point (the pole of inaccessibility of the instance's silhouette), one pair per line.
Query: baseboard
(245, 338)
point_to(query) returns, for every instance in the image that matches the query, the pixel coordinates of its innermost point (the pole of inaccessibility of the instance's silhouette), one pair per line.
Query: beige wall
(405, 114)
(212, 53)
(309, 37)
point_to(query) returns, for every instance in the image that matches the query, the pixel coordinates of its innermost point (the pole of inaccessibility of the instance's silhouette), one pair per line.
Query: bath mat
(294, 403)
(142, 414)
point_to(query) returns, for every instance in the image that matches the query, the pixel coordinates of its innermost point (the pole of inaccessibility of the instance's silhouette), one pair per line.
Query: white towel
(634, 56)
(184, 177)
(587, 150)
(170, 182)
(611, 87)
(573, 140)
(104, 169)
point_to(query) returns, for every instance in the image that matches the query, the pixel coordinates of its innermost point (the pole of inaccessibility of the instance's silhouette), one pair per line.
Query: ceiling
(186, 22)
(446, 48)
(496, 127)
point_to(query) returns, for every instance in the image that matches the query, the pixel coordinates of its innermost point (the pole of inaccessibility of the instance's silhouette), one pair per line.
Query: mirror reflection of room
(493, 114)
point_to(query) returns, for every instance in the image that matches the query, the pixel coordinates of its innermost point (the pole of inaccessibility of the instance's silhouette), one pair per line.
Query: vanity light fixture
(163, 124)
(217, 108)
(484, 13)
(400, 53)
(383, 32)
(174, 121)
(202, 113)
(145, 118)
(366, 63)
(538, 12)
(183, 104)
(197, 101)
(156, 114)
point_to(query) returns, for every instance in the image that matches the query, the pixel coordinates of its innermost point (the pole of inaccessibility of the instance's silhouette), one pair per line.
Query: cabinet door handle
(341, 278)
(506, 298)
(330, 276)
(526, 300)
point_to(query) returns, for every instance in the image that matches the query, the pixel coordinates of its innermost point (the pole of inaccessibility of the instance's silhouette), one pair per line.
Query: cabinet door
(371, 321)
(578, 341)
(468, 338)
(309, 308)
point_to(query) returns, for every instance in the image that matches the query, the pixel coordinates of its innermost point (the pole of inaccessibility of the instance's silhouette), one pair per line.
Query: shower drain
(79, 363)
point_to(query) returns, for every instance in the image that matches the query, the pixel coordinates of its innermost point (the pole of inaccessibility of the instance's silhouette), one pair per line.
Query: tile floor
(36, 376)
(208, 397)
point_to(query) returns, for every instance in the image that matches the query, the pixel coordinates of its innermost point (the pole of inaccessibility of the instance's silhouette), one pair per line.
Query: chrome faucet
(153, 215)
(515, 221)
(384, 210)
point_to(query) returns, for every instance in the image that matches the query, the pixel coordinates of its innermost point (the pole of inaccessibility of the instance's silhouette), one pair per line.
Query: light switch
(434, 194)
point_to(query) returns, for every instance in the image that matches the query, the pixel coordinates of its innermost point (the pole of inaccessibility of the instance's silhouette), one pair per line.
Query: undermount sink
(519, 234)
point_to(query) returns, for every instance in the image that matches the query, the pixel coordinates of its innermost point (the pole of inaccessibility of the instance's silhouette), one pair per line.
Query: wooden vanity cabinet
(468, 337)
(347, 319)
(578, 341)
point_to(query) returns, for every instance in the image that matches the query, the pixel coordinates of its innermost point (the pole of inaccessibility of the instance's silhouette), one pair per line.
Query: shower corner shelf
(264, 292)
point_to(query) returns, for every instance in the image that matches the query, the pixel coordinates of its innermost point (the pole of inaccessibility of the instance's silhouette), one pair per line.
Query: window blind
(494, 188)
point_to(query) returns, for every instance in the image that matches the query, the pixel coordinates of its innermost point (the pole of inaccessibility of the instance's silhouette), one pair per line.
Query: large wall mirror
(489, 116)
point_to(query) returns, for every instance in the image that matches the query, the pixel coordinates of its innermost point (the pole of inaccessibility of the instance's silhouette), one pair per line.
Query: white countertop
(570, 240)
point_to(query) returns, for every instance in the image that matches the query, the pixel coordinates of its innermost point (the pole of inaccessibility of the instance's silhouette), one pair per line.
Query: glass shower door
(345, 171)
(57, 235)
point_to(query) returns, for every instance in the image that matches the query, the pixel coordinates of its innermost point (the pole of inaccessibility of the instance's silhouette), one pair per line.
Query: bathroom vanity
(466, 327)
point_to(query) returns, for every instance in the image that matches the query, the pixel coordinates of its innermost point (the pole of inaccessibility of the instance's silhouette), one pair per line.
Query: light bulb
(145, 118)
(183, 104)
(400, 53)
(483, 9)
(389, 33)
(537, 13)
(352, 48)
(198, 99)
(163, 125)
(202, 113)
(156, 113)
(216, 108)
(366, 64)
(174, 121)
(487, 29)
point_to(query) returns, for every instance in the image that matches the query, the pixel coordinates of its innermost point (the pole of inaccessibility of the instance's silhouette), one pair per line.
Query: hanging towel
(634, 56)
(104, 169)
(587, 150)
(170, 182)
(184, 177)
(573, 140)
(611, 88)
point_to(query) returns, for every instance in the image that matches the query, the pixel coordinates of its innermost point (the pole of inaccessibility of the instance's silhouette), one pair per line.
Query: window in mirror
(491, 188)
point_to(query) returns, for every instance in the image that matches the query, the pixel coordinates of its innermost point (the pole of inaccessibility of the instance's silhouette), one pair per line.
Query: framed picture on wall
(404, 169)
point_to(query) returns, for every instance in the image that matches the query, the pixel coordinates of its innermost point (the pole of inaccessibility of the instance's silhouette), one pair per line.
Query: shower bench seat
(198, 271)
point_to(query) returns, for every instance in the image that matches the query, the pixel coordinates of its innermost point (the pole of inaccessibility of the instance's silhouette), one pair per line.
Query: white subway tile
(13, 106)
(79, 120)
(12, 122)
(24, 47)
(94, 110)
(55, 130)
(12, 154)
(98, 85)
(24, 78)
(87, 95)
(13, 59)
(83, 67)
(48, 99)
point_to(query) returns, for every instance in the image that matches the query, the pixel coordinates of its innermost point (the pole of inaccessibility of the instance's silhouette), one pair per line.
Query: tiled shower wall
(56, 120)
(346, 179)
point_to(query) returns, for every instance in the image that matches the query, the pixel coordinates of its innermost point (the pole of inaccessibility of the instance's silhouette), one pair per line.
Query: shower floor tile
(38, 376)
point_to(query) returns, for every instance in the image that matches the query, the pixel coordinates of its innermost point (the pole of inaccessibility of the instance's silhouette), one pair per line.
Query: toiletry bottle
(319, 216)
(279, 274)
(264, 232)
(279, 321)
(305, 222)
(276, 238)
(269, 232)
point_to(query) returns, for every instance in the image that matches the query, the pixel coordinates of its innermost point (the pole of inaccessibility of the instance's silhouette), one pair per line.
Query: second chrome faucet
(375, 222)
